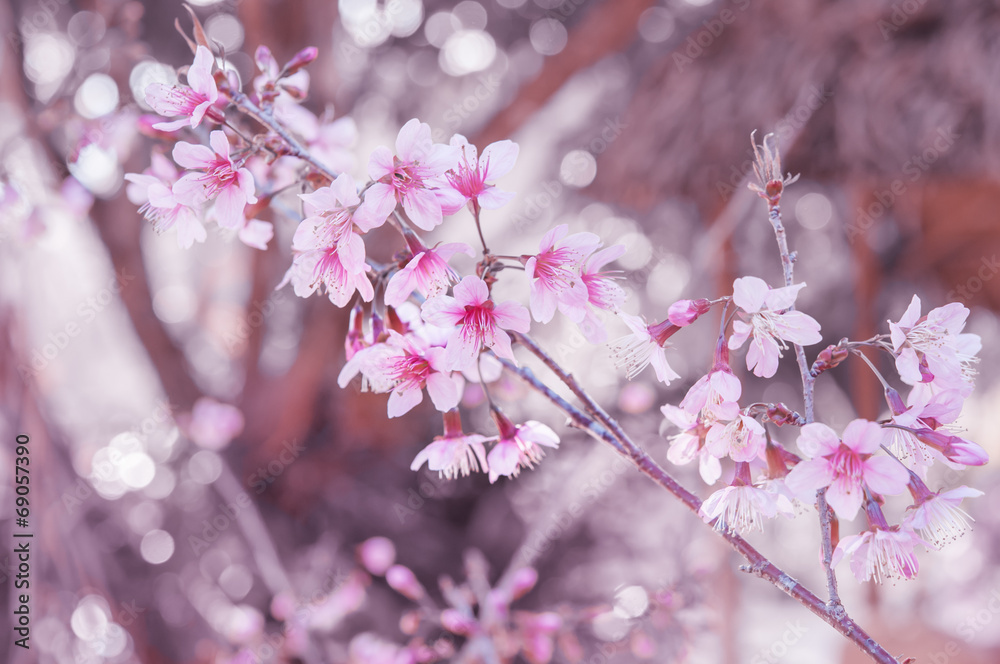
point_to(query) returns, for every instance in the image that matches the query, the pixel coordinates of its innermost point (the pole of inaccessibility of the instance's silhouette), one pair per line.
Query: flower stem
(265, 118)
(808, 384)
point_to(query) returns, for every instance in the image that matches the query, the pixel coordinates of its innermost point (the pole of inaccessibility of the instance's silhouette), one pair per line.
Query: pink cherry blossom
(330, 223)
(602, 292)
(923, 411)
(938, 517)
(741, 439)
(845, 466)
(646, 345)
(739, 508)
(934, 349)
(324, 266)
(479, 322)
(194, 101)
(406, 177)
(469, 177)
(880, 553)
(518, 446)
(427, 272)
(715, 395)
(688, 444)
(217, 178)
(454, 453)
(151, 191)
(765, 316)
(406, 367)
(555, 274)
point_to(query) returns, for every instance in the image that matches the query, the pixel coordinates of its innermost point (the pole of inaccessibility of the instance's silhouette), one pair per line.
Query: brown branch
(607, 28)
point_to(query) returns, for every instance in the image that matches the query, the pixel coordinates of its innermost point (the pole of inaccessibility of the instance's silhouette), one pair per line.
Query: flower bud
(402, 580)
(684, 312)
(456, 623)
(377, 555)
(523, 581)
(300, 60)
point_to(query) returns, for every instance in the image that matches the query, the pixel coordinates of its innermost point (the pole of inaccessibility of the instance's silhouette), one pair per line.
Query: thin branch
(758, 564)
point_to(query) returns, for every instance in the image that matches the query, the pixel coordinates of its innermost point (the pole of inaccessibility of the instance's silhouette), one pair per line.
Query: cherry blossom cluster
(418, 324)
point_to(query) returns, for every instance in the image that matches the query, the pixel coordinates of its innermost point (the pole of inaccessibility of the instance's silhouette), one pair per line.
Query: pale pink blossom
(923, 410)
(406, 369)
(766, 317)
(427, 271)
(406, 177)
(933, 348)
(602, 292)
(455, 452)
(938, 517)
(324, 266)
(193, 101)
(646, 345)
(741, 439)
(477, 320)
(330, 223)
(216, 178)
(845, 466)
(688, 445)
(519, 446)
(330, 141)
(377, 554)
(469, 177)
(880, 553)
(151, 191)
(715, 395)
(554, 273)
(739, 508)
(274, 84)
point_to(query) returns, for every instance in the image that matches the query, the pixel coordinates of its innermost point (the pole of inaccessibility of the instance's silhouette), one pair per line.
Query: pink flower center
(404, 179)
(410, 371)
(555, 267)
(468, 180)
(479, 321)
(220, 175)
(846, 462)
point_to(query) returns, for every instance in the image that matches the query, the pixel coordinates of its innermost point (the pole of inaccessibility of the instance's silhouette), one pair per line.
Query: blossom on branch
(555, 274)
(766, 316)
(478, 322)
(194, 101)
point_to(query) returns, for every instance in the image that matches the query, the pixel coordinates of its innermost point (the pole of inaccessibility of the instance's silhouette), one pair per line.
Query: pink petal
(444, 391)
(845, 497)
(471, 291)
(862, 436)
(493, 198)
(199, 75)
(229, 206)
(257, 234)
(512, 316)
(442, 311)
(885, 475)
(400, 286)
(423, 208)
(381, 163)
(217, 139)
(503, 459)
(501, 346)
(189, 155)
(380, 201)
(779, 299)
(809, 476)
(403, 401)
(413, 141)
(749, 293)
(817, 439)
(498, 159)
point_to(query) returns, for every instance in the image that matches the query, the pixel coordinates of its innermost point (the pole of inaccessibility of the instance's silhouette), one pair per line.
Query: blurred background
(157, 542)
